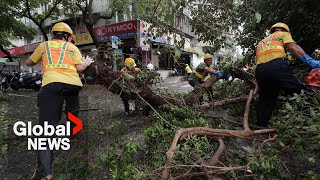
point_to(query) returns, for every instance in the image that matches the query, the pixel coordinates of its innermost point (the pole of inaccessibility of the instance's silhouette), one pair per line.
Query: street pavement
(176, 84)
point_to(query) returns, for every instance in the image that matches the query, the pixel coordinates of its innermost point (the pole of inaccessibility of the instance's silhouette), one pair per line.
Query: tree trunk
(7, 53)
(43, 32)
(90, 29)
(194, 96)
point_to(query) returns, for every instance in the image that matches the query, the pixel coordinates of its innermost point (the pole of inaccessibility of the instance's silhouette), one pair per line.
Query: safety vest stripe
(48, 52)
(199, 75)
(63, 52)
(261, 45)
(67, 66)
(274, 43)
(269, 41)
(272, 47)
(267, 52)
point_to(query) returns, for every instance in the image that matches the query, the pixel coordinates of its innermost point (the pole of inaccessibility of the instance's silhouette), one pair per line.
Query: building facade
(131, 32)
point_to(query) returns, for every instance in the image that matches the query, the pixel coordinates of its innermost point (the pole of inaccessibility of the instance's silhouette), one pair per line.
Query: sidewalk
(176, 84)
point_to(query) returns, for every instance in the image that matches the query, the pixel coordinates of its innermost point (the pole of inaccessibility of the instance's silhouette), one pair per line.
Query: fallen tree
(101, 70)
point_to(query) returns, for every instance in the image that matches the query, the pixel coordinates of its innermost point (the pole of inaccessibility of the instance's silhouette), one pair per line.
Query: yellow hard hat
(207, 56)
(280, 25)
(129, 62)
(63, 27)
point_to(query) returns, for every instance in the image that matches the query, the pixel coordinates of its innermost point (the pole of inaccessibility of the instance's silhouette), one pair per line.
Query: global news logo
(48, 136)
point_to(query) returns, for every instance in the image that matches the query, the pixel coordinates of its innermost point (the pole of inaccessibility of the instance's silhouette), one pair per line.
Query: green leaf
(312, 113)
(177, 53)
(258, 17)
(288, 106)
(282, 144)
(311, 159)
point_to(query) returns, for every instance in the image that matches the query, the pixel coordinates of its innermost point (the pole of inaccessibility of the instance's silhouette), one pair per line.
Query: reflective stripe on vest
(269, 50)
(60, 64)
(48, 52)
(199, 75)
(270, 46)
(63, 52)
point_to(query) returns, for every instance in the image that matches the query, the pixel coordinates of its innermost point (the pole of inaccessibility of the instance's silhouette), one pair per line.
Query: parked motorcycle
(178, 71)
(26, 81)
(2, 80)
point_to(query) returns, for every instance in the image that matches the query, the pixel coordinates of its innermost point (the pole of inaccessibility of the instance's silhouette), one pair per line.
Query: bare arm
(299, 53)
(295, 49)
(29, 62)
(81, 67)
(210, 70)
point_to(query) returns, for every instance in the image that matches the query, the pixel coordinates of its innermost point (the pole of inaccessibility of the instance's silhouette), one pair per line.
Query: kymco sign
(126, 27)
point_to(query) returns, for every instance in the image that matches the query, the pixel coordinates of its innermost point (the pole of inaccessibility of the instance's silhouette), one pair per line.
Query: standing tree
(11, 28)
(30, 9)
(88, 17)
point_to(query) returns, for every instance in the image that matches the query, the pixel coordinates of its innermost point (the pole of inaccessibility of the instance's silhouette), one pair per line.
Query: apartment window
(120, 17)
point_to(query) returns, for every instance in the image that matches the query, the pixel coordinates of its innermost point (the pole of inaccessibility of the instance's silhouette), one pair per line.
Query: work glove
(87, 61)
(310, 61)
(218, 74)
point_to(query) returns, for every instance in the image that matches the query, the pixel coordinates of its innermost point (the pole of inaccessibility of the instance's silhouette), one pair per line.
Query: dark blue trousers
(272, 77)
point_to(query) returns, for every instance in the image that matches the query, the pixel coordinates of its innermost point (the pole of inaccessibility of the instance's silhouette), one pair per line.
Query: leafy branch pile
(291, 153)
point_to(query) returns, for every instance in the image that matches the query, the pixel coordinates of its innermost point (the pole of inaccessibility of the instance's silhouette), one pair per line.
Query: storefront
(126, 32)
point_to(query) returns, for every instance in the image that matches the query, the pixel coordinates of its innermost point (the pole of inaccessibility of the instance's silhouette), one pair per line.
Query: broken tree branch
(218, 171)
(202, 131)
(167, 122)
(246, 112)
(224, 102)
(198, 92)
(215, 158)
(231, 121)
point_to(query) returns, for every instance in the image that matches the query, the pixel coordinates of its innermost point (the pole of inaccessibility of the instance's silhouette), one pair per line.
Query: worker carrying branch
(201, 71)
(273, 72)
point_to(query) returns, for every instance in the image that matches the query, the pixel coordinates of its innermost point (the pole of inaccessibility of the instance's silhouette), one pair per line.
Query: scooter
(4, 85)
(26, 81)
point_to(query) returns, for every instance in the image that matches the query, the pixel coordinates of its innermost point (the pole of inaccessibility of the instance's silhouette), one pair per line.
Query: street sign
(114, 41)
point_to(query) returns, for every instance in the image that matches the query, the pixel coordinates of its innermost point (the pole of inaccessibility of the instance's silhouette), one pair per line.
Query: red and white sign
(114, 29)
(13, 51)
(30, 47)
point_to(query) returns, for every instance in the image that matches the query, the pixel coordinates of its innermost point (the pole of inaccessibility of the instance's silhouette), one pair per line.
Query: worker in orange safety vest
(273, 72)
(60, 62)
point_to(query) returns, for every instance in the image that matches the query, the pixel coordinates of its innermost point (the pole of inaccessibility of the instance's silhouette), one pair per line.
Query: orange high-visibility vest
(269, 45)
(57, 57)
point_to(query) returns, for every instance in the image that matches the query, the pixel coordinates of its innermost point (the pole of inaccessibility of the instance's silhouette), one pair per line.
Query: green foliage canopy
(11, 27)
